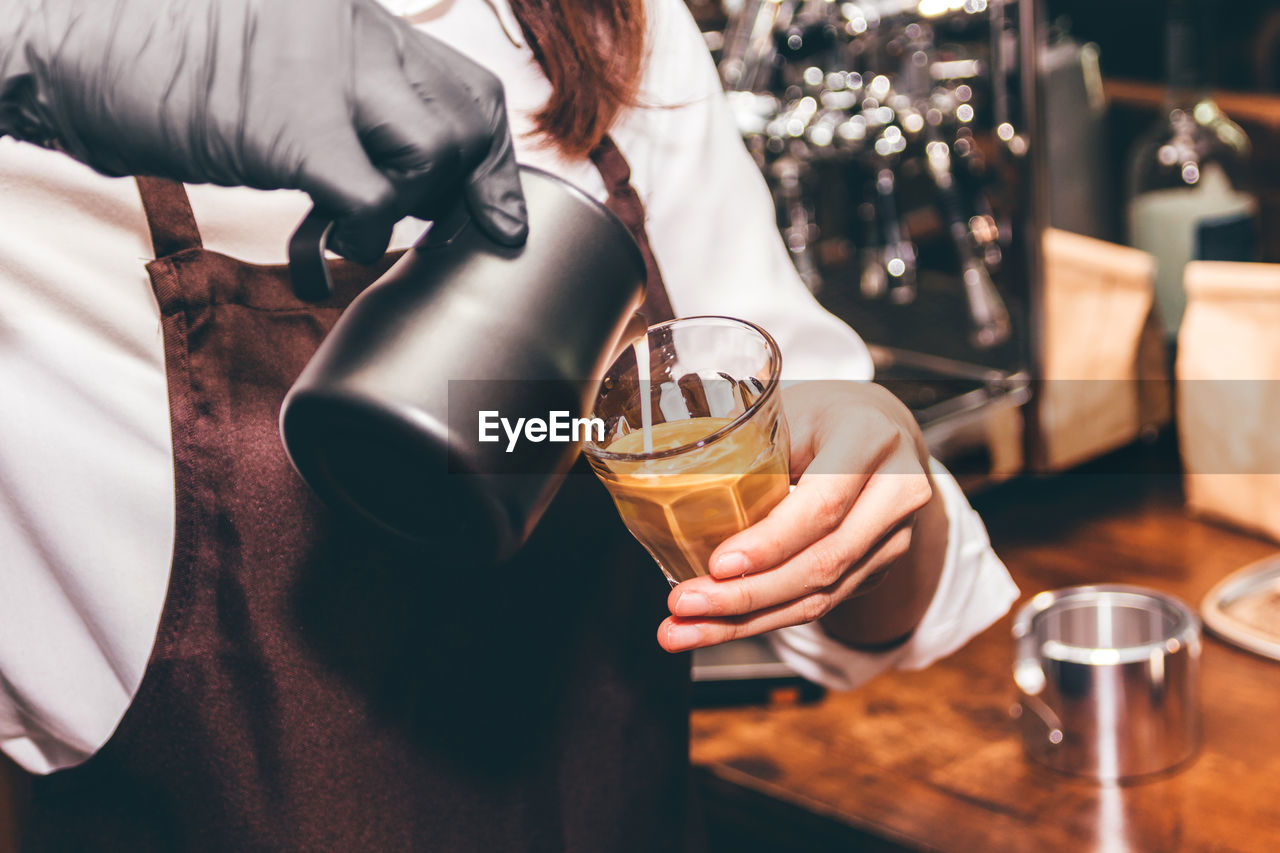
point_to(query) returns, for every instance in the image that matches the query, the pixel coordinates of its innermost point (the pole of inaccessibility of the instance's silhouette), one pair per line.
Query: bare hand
(847, 524)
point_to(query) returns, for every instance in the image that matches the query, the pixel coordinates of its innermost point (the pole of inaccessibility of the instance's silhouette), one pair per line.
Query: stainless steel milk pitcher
(1108, 680)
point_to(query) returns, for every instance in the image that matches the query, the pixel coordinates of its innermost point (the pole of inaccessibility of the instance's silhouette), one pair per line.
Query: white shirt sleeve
(711, 219)
(711, 223)
(974, 591)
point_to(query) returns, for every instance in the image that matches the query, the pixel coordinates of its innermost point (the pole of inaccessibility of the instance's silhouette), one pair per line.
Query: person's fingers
(406, 136)
(886, 504)
(474, 107)
(817, 506)
(676, 634)
(414, 145)
(342, 182)
(494, 194)
(341, 179)
(363, 241)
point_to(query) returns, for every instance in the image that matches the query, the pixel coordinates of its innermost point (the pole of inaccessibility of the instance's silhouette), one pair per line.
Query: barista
(193, 654)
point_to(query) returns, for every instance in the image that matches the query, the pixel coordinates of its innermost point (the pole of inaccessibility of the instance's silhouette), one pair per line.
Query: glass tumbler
(711, 454)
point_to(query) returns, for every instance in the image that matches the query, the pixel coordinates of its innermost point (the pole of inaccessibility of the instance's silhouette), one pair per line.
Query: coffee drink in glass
(695, 445)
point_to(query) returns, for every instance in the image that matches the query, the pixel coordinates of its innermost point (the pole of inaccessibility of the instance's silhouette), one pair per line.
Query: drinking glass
(718, 453)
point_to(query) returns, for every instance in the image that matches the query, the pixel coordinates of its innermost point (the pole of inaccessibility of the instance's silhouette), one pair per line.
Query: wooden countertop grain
(932, 760)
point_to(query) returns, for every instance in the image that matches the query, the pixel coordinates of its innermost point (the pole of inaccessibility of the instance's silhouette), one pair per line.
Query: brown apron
(311, 689)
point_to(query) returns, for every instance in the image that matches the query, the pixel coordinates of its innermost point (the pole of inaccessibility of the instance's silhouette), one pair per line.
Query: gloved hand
(339, 98)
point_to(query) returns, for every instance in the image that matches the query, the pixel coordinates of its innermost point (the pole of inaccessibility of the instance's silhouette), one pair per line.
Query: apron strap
(626, 205)
(169, 216)
(173, 224)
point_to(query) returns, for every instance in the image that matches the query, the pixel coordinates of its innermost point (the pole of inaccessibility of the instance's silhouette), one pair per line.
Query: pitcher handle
(308, 269)
(1028, 671)
(308, 272)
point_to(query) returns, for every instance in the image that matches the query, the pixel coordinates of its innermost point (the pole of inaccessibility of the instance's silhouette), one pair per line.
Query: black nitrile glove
(339, 98)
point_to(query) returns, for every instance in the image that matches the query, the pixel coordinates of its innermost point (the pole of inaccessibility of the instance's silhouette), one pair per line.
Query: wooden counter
(931, 760)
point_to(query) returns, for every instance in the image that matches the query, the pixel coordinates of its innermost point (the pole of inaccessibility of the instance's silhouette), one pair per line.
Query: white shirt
(86, 478)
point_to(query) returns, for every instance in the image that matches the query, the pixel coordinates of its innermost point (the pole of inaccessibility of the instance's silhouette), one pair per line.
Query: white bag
(1229, 393)
(1097, 304)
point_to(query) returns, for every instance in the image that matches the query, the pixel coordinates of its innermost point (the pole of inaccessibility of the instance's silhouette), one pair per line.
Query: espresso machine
(901, 142)
(905, 152)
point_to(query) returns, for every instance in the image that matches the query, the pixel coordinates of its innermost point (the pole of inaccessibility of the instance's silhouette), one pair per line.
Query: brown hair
(592, 52)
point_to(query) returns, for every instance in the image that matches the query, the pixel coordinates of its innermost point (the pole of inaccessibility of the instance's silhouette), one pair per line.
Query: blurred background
(932, 194)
